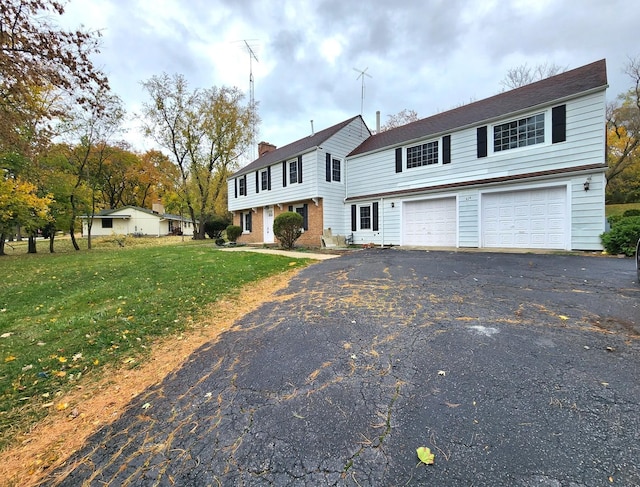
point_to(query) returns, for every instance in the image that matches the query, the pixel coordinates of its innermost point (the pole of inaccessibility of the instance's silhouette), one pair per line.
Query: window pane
(521, 133)
(365, 217)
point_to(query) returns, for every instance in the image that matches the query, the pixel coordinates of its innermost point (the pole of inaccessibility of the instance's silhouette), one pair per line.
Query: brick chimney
(158, 207)
(265, 147)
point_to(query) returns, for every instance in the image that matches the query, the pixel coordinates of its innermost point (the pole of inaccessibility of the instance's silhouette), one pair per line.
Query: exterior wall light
(586, 183)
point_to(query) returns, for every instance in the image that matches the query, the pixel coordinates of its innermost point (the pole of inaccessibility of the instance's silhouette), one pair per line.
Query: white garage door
(530, 219)
(430, 223)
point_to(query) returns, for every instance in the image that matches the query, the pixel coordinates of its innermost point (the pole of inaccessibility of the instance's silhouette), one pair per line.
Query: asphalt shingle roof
(295, 148)
(569, 83)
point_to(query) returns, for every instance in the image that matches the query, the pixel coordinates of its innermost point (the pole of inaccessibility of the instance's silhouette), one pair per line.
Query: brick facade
(311, 237)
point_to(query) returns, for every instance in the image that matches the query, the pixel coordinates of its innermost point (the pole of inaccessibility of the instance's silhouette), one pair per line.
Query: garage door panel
(430, 222)
(534, 218)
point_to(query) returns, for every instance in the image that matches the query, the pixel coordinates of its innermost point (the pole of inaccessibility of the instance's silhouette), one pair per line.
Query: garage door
(531, 219)
(430, 223)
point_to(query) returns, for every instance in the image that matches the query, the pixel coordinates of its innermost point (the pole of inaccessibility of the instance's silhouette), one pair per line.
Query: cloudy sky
(424, 55)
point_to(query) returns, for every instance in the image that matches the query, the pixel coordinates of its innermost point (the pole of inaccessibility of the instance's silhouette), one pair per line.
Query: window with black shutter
(446, 149)
(559, 124)
(399, 159)
(482, 141)
(374, 217)
(327, 168)
(353, 218)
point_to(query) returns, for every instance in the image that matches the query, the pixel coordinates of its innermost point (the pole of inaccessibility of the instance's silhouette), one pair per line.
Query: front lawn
(63, 317)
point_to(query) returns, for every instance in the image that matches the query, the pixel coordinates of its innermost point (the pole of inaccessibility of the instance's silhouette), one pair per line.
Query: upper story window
(422, 155)
(242, 188)
(293, 172)
(335, 170)
(519, 133)
(264, 180)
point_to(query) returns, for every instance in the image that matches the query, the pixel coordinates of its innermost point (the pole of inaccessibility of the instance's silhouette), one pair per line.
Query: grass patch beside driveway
(65, 316)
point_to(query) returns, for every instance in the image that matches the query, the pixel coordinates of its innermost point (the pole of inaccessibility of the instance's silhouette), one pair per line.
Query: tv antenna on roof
(363, 73)
(252, 101)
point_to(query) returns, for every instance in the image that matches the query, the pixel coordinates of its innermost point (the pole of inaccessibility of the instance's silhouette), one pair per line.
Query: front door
(267, 213)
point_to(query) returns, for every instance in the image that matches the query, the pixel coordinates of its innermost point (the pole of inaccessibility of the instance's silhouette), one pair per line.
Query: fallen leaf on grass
(10, 358)
(62, 406)
(6, 335)
(425, 455)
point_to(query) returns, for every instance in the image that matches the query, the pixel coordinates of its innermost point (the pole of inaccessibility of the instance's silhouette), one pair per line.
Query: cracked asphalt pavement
(514, 369)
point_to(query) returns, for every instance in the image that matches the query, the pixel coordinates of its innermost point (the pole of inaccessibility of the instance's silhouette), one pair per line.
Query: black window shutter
(242, 218)
(374, 216)
(269, 178)
(353, 218)
(328, 168)
(245, 184)
(249, 221)
(235, 184)
(305, 217)
(299, 169)
(446, 149)
(559, 124)
(257, 181)
(399, 159)
(284, 174)
(482, 141)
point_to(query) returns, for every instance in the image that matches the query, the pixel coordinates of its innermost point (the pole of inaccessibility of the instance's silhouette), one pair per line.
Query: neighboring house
(522, 169)
(133, 220)
(307, 176)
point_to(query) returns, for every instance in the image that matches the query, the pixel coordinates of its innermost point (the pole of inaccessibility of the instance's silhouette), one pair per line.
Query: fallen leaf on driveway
(452, 405)
(146, 405)
(442, 373)
(425, 455)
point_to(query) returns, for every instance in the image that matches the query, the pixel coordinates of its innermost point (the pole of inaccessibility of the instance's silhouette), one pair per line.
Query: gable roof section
(295, 148)
(557, 87)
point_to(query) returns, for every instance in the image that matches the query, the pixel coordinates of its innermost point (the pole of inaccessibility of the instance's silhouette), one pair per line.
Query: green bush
(287, 227)
(233, 232)
(214, 227)
(623, 236)
(631, 212)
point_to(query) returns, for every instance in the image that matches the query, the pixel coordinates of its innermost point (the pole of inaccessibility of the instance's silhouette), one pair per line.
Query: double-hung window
(365, 217)
(519, 133)
(264, 180)
(422, 155)
(335, 170)
(242, 186)
(293, 172)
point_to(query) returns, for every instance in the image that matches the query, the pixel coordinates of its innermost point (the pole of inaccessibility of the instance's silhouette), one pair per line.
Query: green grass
(66, 315)
(613, 210)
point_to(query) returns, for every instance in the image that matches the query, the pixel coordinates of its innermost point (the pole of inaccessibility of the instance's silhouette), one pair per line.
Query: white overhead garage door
(528, 219)
(430, 223)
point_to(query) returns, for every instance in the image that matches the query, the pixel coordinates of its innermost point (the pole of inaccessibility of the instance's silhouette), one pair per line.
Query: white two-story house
(307, 176)
(522, 169)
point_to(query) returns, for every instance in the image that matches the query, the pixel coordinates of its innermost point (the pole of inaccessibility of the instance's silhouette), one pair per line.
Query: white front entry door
(267, 213)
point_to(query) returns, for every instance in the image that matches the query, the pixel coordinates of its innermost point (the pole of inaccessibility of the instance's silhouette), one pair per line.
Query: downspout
(381, 216)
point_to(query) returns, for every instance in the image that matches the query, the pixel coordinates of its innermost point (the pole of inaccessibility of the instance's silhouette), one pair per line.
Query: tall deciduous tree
(35, 56)
(623, 126)
(204, 130)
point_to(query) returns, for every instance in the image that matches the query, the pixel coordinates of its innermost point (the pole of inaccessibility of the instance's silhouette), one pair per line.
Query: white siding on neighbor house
(585, 144)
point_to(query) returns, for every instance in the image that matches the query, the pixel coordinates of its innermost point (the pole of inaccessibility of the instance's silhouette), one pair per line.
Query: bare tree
(401, 118)
(524, 74)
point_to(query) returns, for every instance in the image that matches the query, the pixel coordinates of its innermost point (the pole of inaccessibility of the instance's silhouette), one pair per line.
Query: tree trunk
(31, 246)
(2, 237)
(51, 237)
(73, 236)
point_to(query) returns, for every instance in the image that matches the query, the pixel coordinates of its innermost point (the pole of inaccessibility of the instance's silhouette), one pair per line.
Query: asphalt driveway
(520, 370)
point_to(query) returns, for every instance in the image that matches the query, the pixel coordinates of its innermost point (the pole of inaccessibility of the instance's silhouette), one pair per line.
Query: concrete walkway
(295, 254)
